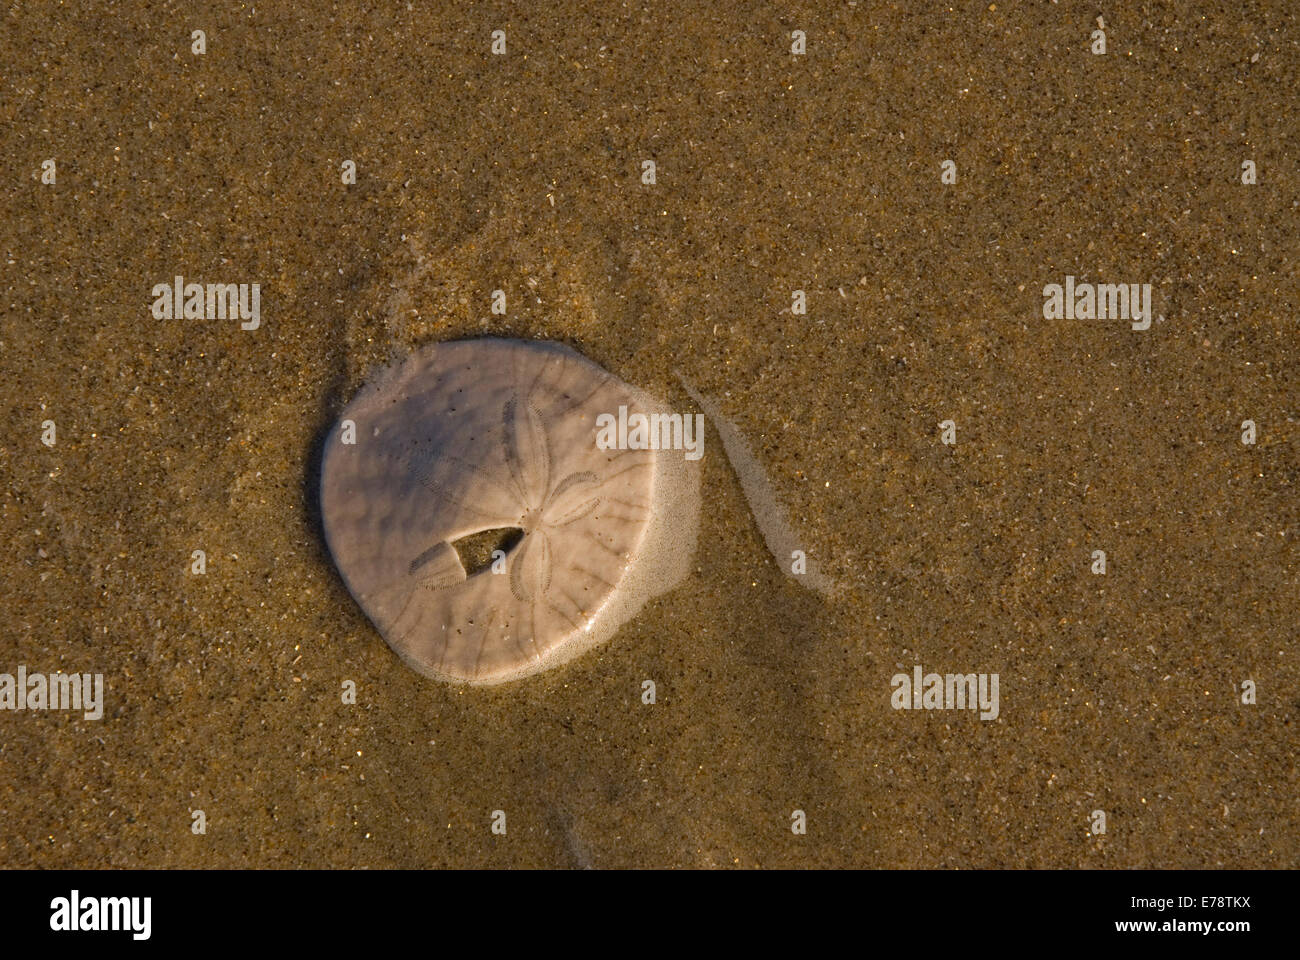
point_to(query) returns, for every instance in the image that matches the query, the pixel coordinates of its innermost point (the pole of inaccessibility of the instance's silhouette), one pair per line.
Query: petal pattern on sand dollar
(573, 498)
(527, 450)
(530, 573)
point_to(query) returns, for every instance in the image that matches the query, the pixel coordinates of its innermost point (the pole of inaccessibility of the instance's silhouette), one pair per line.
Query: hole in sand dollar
(476, 550)
(471, 446)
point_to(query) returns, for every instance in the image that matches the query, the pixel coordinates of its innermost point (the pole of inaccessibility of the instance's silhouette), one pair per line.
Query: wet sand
(1119, 692)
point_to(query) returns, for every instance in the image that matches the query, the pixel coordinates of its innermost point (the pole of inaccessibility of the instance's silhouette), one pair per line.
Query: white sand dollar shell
(480, 435)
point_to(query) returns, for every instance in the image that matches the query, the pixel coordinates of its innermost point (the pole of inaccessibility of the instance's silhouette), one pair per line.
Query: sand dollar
(491, 443)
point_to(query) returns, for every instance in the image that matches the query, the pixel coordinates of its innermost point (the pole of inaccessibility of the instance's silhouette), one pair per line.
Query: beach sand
(773, 172)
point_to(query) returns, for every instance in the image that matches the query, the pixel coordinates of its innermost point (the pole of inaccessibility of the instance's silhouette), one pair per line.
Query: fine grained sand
(774, 173)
